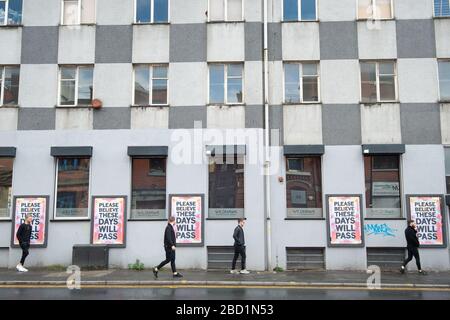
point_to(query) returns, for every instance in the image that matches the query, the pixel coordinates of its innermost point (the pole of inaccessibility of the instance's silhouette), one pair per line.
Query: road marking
(222, 287)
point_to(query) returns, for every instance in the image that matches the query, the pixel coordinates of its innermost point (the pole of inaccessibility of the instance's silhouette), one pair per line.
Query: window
(299, 10)
(225, 83)
(301, 82)
(447, 168)
(375, 9)
(148, 194)
(76, 88)
(444, 80)
(378, 82)
(304, 187)
(226, 10)
(10, 85)
(152, 11)
(150, 85)
(10, 12)
(78, 12)
(382, 176)
(72, 188)
(6, 170)
(226, 186)
(442, 8)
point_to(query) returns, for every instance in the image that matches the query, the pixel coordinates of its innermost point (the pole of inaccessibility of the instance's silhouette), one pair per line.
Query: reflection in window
(76, 85)
(152, 11)
(378, 81)
(444, 80)
(225, 83)
(299, 10)
(226, 186)
(442, 8)
(304, 187)
(10, 85)
(382, 176)
(225, 10)
(301, 82)
(375, 9)
(150, 85)
(10, 12)
(72, 191)
(6, 170)
(148, 199)
(78, 12)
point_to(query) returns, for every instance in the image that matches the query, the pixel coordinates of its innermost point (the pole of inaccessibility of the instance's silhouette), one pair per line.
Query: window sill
(302, 219)
(300, 21)
(78, 25)
(12, 26)
(150, 23)
(7, 106)
(390, 219)
(224, 21)
(5, 220)
(444, 101)
(70, 220)
(441, 17)
(74, 107)
(161, 106)
(379, 102)
(300, 103)
(226, 105)
(225, 219)
(376, 20)
(146, 220)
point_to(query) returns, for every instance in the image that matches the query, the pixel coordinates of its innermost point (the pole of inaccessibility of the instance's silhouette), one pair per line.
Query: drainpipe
(267, 194)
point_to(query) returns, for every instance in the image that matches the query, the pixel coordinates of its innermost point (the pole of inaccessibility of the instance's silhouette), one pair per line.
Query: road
(219, 293)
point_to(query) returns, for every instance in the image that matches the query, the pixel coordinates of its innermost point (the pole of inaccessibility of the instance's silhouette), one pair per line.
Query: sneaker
(24, 269)
(155, 273)
(233, 271)
(177, 275)
(402, 269)
(423, 273)
(21, 269)
(18, 267)
(244, 272)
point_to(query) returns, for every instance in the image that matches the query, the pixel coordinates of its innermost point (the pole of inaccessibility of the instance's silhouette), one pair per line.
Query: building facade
(358, 99)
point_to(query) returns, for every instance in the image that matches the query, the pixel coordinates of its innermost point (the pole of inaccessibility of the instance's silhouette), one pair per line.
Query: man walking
(24, 235)
(169, 247)
(412, 245)
(239, 247)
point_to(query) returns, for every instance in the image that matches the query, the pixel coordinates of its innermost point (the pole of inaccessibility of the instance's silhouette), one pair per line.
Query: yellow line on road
(224, 287)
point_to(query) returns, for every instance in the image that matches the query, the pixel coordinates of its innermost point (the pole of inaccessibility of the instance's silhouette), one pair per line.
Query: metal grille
(386, 258)
(220, 257)
(305, 258)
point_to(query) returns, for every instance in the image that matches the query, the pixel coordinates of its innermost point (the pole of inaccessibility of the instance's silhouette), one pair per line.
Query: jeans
(25, 246)
(170, 257)
(413, 252)
(239, 250)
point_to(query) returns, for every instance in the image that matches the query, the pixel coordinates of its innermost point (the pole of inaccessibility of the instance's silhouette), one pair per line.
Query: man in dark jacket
(169, 247)
(413, 244)
(239, 247)
(24, 235)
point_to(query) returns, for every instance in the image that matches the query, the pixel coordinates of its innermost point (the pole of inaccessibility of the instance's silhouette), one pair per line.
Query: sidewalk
(116, 277)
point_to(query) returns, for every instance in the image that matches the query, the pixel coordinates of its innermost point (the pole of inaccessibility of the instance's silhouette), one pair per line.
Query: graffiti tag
(378, 229)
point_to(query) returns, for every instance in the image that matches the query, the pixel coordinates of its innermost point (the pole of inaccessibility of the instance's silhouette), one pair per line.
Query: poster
(109, 220)
(189, 213)
(344, 220)
(37, 206)
(427, 212)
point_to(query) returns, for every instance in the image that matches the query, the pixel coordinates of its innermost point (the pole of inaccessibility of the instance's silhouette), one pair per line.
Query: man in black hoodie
(413, 245)
(239, 247)
(24, 235)
(169, 247)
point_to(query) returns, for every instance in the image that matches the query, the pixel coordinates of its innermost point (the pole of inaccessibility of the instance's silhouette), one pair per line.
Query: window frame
(400, 183)
(299, 13)
(439, 82)
(79, 23)
(225, 102)
(152, 14)
(377, 75)
(225, 156)
(150, 93)
(225, 12)
(286, 159)
(55, 200)
(77, 78)
(446, 147)
(9, 217)
(374, 12)
(5, 23)
(434, 11)
(2, 84)
(300, 65)
(132, 158)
